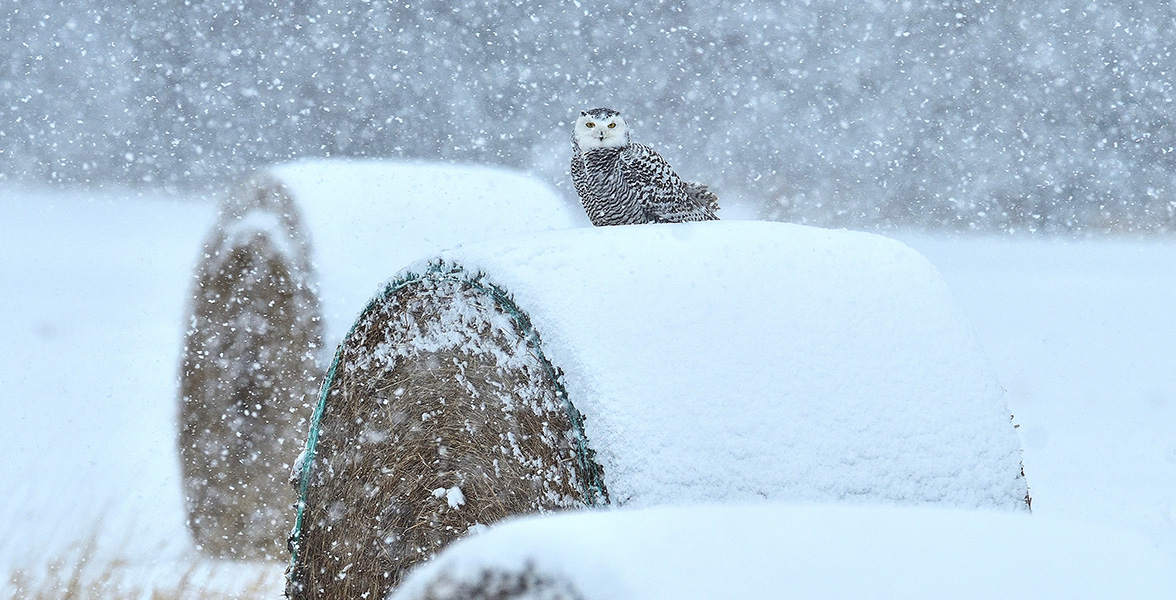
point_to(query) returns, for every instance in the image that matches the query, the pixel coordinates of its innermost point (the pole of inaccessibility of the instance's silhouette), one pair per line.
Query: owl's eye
(611, 125)
(589, 124)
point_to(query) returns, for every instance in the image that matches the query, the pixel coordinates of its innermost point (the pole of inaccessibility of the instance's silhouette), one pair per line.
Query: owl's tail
(702, 195)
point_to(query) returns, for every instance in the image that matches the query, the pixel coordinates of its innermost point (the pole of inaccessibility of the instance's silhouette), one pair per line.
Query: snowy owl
(622, 183)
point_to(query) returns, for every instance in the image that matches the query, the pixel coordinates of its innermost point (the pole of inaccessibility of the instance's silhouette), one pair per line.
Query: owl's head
(600, 128)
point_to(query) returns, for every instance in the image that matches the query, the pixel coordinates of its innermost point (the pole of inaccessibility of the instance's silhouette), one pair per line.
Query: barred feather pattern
(633, 184)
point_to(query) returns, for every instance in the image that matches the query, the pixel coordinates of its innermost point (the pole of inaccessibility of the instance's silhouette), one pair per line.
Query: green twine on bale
(593, 485)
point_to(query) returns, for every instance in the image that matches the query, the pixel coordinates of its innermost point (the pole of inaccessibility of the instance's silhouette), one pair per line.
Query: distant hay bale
(713, 362)
(439, 415)
(290, 261)
(249, 365)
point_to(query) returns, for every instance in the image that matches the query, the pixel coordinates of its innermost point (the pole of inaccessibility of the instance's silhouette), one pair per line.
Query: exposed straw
(498, 584)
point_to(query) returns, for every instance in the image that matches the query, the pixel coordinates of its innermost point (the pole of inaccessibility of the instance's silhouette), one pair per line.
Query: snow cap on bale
(367, 219)
(667, 364)
(287, 266)
(775, 550)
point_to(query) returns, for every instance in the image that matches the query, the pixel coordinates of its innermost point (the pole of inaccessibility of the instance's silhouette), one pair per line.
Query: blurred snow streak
(971, 114)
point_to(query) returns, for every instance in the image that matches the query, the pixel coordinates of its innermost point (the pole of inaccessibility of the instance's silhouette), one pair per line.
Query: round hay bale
(249, 364)
(288, 264)
(713, 362)
(440, 414)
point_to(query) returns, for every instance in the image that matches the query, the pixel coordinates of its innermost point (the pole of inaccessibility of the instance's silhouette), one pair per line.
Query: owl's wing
(662, 193)
(579, 178)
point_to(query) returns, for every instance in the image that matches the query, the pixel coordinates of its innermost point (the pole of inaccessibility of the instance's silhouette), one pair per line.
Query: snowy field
(92, 289)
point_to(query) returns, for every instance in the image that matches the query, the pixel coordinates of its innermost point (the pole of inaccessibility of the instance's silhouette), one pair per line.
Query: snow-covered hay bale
(291, 260)
(248, 364)
(725, 361)
(777, 550)
(440, 415)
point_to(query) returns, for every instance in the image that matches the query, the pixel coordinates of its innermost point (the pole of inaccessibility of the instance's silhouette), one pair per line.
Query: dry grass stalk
(440, 417)
(83, 572)
(250, 370)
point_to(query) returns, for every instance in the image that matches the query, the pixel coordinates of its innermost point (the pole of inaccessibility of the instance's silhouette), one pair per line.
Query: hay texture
(712, 362)
(290, 261)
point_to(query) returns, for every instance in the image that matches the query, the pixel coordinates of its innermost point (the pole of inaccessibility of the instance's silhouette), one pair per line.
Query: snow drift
(712, 362)
(285, 269)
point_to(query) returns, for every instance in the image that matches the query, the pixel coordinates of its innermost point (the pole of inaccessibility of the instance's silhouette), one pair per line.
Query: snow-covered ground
(92, 290)
(1083, 337)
